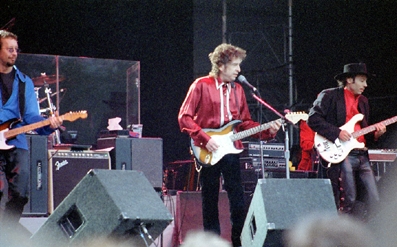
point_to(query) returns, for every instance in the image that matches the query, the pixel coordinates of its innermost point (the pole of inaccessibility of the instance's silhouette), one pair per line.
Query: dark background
(172, 39)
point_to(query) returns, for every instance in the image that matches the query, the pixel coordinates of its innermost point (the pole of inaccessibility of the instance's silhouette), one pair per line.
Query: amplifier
(66, 169)
(382, 155)
(255, 163)
(141, 154)
(292, 174)
(253, 149)
(38, 183)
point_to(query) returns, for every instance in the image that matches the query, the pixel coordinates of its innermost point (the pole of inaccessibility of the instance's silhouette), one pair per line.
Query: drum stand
(52, 108)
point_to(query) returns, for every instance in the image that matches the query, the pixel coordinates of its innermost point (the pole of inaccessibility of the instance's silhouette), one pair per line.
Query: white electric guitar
(336, 152)
(226, 137)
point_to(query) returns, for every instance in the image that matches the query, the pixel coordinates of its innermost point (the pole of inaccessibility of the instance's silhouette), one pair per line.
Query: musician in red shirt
(306, 142)
(212, 102)
(330, 114)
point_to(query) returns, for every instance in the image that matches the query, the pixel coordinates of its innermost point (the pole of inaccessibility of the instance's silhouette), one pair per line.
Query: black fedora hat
(353, 69)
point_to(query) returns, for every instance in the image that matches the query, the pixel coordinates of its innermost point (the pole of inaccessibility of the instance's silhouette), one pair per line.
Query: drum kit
(44, 81)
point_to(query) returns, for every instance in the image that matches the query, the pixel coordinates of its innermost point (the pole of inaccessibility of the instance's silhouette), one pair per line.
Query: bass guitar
(336, 152)
(226, 136)
(6, 131)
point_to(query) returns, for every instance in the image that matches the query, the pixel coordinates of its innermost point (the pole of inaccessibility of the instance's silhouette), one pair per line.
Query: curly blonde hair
(223, 54)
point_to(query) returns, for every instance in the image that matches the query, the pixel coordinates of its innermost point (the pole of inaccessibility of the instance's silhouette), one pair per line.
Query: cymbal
(49, 79)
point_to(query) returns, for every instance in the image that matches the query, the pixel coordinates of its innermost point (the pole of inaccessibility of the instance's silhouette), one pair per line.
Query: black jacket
(329, 113)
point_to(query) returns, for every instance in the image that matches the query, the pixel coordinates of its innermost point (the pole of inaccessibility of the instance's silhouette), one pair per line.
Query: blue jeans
(357, 161)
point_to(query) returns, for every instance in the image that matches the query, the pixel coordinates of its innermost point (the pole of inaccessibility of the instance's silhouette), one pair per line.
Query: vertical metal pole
(57, 132)
(290, 64)
(291, 89)
(57, 81)
(224, 15)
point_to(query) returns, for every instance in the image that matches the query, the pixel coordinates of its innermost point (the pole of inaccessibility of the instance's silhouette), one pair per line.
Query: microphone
(243, 80)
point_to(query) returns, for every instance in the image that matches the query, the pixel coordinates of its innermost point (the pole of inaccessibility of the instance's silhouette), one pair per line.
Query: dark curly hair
(223, 54)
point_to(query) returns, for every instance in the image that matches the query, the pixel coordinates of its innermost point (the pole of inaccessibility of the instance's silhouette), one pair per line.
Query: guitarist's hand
(211, 145)
(274, 127)
(380, 130)
(55, 121)
(344, 135)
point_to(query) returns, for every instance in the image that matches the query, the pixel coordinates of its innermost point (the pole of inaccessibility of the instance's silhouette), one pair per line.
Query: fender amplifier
(67, 168)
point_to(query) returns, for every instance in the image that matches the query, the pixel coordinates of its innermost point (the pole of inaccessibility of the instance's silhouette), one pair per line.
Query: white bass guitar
(336, 152)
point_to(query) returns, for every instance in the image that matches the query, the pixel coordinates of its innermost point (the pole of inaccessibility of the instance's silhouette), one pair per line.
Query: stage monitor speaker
(67, 168)
(279, 203)
(38, 184)
(141, 154)
(116, 204)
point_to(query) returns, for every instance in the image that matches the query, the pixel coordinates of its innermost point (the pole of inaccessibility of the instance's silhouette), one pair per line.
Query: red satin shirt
(352, 109)
(210, 103)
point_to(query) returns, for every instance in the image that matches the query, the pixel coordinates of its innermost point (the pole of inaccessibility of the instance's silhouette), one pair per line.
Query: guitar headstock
(295, 117)
(72, 116)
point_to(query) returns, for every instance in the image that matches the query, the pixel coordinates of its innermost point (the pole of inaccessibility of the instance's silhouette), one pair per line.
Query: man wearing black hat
(332, 109)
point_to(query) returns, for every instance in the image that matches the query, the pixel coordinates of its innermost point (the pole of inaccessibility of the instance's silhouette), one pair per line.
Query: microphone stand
(286, 144)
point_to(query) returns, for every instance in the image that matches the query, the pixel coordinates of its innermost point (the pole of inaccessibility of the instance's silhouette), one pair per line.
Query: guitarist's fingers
(274, 127)
(380, 127)
(344, 135)
(212, 145)
(55, 121)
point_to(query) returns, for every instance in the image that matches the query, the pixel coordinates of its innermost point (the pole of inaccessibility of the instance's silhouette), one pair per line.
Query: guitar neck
(14, 132)
(371, 128)
(250, 132)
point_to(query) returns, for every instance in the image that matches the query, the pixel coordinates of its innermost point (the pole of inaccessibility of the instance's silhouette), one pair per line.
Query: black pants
(229, 168)
(14, 175)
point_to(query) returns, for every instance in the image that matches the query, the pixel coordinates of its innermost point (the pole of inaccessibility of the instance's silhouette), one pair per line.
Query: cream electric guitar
(7, 133)
(226, 137)
(336, 152)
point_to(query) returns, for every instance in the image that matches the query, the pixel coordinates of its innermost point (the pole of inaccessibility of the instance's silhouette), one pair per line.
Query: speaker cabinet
(141, 154)
(118, 204)
(279, 203)
(67, 168)
(38, 184)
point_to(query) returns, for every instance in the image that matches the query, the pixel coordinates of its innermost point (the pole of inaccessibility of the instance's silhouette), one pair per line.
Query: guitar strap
(21, 97)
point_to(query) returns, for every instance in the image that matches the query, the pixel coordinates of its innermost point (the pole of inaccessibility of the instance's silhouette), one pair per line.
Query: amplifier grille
(67, 168)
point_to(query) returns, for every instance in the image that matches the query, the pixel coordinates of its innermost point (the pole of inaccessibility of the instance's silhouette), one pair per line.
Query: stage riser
(189, 213)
